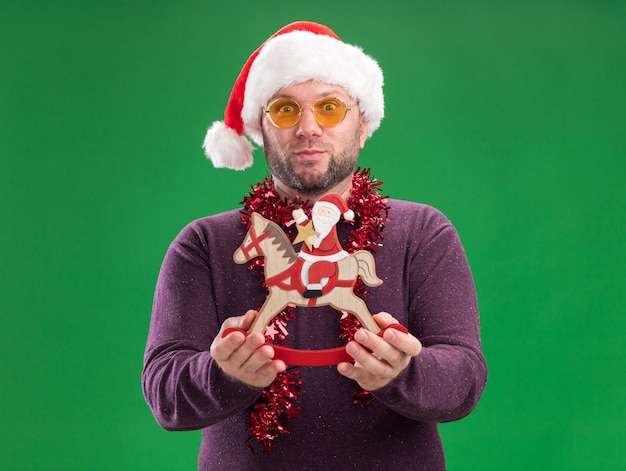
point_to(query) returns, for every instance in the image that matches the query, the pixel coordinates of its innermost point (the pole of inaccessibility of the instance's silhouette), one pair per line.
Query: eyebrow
(331, 92)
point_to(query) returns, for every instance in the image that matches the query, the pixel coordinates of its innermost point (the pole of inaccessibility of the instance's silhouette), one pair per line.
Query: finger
(240, 322)
(353, 372)
(248, 319)
(368, 360)
(259, 370)
(259, 367)
(223, 347)
(236, 347)
(404, 342)
(359, 373)
(347, 369)
(384, 319)
(252, 345)
(377, 347)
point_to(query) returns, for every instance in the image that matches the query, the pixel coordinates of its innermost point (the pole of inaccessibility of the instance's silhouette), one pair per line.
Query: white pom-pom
(226, 148)
(348, 215)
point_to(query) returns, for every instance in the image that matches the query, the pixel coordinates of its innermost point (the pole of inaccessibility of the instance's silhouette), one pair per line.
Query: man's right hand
(246, 357)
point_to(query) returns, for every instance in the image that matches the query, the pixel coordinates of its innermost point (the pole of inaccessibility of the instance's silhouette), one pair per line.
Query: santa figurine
(321, 249)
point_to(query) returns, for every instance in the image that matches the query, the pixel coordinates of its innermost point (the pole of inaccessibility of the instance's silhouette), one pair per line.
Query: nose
(308, 126)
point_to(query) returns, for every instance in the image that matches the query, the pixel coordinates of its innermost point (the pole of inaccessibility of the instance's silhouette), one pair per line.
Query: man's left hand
(378, 360)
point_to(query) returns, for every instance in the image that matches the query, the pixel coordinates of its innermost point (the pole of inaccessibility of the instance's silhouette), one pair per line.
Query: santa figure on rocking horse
(321, 249)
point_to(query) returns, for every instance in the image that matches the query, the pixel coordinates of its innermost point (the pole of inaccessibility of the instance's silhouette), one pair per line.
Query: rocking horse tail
(367, 268)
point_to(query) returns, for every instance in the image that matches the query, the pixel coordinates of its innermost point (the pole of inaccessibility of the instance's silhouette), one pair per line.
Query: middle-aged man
(312, 101)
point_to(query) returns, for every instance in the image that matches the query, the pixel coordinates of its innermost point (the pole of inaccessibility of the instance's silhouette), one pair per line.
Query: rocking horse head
(260, 236)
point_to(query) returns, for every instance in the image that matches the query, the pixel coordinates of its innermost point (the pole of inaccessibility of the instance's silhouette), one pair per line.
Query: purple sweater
(427, 286)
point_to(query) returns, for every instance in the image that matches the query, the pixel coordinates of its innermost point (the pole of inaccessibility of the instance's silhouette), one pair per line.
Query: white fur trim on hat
(227, 148)
(301, 56)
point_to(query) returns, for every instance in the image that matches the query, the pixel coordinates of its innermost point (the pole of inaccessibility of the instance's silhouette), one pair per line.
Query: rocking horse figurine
(322, 274)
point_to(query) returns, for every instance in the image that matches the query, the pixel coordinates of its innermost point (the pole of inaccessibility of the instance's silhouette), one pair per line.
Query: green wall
(508, 116)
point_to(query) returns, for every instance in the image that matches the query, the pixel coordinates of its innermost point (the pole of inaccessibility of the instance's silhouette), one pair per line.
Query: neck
(342, 189)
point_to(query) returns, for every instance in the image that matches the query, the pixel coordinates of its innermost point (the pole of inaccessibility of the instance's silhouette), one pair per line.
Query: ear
(258, 219)
(362, 132)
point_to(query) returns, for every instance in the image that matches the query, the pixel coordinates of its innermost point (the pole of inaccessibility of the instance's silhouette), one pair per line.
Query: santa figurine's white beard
(323, 225)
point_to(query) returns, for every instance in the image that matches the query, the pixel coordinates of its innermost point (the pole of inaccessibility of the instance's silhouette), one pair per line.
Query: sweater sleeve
(445, 381)
(182, 384)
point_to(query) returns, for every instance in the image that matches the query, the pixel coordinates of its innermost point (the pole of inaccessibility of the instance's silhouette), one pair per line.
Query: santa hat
(297, 53)
(337, 204)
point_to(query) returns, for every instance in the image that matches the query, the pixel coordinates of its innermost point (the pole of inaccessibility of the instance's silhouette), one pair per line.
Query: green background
(508, 116)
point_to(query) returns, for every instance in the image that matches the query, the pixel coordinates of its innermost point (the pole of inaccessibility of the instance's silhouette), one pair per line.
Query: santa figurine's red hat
(297, 53)
(337, 204)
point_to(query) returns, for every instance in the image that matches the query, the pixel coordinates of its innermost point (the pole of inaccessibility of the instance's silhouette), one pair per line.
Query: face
(310, 159)
(324, 211)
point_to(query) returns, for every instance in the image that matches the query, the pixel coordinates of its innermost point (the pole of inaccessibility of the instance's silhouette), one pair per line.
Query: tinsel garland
(276, 403)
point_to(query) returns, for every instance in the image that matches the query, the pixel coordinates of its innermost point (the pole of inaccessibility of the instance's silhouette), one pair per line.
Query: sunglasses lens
(284, 113)
(330, 111)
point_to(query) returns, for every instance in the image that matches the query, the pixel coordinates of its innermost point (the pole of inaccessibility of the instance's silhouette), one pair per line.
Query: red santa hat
(297, 53)
(337, 204)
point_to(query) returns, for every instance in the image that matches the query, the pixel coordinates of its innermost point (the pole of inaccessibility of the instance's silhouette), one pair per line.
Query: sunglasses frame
(267, 111)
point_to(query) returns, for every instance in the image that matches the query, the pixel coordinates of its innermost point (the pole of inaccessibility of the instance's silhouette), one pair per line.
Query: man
(312, 101)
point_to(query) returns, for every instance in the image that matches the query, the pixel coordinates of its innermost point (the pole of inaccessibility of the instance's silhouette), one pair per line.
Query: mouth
(307, 155)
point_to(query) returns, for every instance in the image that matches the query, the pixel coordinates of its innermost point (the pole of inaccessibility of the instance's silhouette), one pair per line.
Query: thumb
(240, 322)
